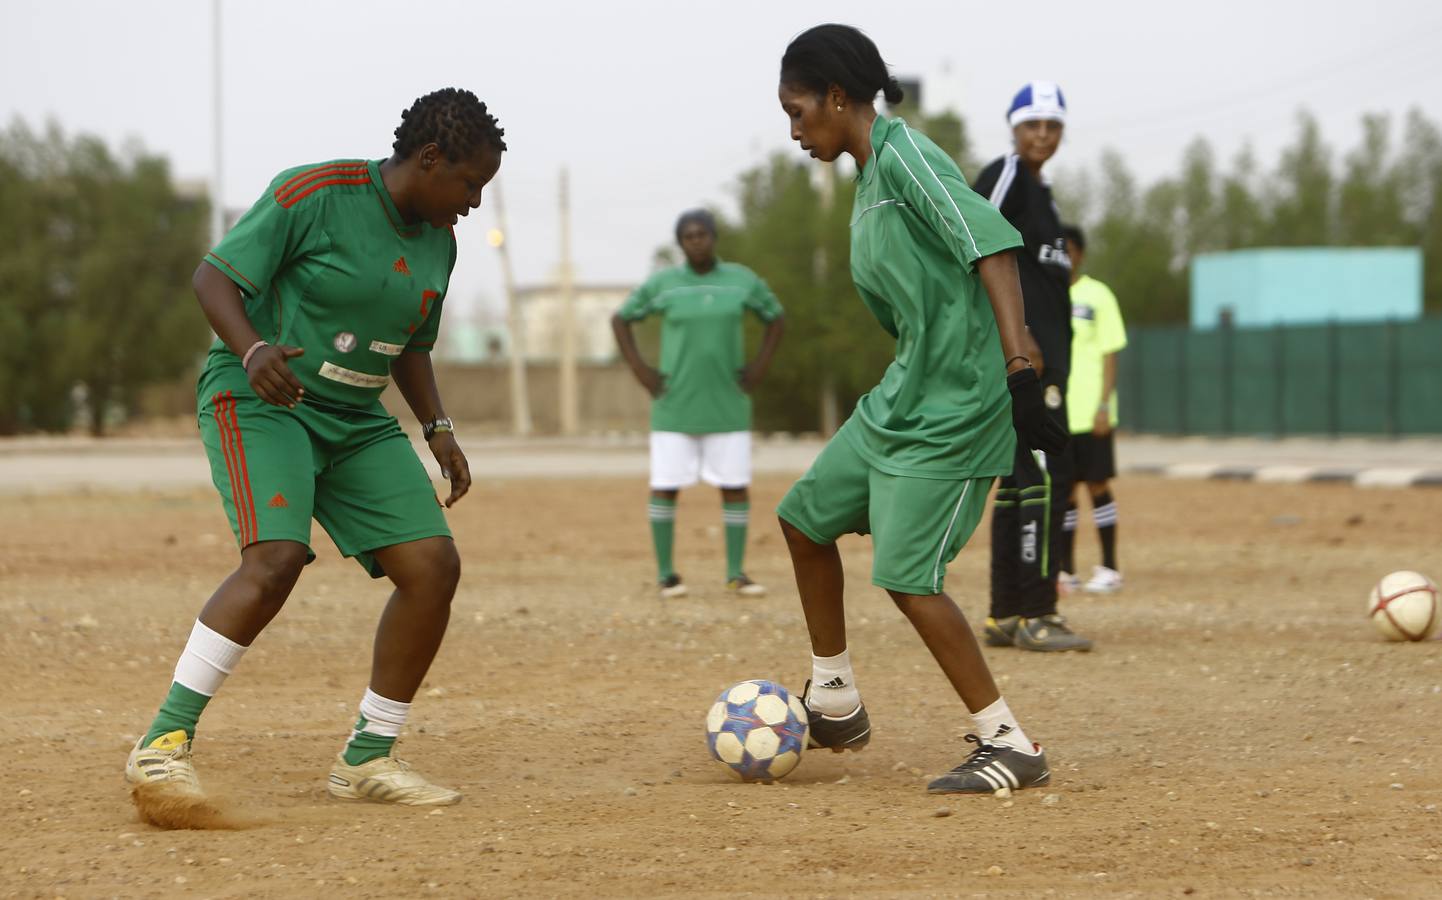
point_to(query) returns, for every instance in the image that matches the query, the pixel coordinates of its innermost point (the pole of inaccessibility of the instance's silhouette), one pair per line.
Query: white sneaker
(1103, 581)
(1067, 583)
(165, 761)
(386, 779)
(744, 587)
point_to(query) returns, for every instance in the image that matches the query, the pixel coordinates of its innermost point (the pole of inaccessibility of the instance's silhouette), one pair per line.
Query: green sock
(663, 534)
(364, 746)
(180, 711)
(735, 516)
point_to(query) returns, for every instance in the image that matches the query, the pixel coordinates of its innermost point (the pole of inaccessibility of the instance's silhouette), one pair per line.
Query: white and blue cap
(1037, 100)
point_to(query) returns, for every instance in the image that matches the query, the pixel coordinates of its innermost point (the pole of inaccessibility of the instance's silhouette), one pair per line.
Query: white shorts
(678, 460)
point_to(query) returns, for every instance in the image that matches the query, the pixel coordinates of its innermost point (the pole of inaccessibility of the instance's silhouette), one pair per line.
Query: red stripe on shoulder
(237, 272)
(310, 175)
(364, 178)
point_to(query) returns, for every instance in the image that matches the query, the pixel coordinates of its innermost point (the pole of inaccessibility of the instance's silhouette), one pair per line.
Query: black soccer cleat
(1001, 632)
(991, 767)
(1049, 634)
(836, 733)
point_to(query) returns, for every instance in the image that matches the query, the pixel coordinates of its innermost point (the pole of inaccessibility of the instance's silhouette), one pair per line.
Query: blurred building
(474, 340)
(1305, 285)
(542, 316)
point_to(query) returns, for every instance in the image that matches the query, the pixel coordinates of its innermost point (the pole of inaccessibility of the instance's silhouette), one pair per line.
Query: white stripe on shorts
(941, 551)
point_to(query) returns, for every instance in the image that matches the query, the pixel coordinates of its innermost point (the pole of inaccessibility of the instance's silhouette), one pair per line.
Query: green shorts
(917, 525)
(353, 470)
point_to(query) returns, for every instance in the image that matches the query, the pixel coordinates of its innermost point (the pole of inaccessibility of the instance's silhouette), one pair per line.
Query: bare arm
(752, 373)
(1003, 287)
(416, 378)
(270, 376)
(1102, 424)
(653, 381)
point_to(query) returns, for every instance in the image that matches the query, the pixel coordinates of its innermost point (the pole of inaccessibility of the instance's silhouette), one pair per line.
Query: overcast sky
(658, 106)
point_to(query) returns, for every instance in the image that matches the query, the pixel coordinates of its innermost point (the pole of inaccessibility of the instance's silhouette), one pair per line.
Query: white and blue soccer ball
(758, 729)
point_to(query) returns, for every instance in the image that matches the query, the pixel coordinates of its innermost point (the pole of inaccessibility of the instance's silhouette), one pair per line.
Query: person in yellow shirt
(1098, 335)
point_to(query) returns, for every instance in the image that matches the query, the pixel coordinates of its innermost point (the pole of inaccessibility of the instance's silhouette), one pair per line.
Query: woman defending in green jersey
(329, 287)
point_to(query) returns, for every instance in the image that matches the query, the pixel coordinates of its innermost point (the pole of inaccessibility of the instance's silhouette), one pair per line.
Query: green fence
(1382, 378)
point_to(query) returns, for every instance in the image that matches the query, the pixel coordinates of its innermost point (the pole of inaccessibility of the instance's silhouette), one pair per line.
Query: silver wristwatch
(442, 425)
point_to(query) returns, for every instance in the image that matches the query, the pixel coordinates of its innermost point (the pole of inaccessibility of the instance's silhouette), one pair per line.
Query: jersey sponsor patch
(385, 349)
(350, 376)
(1048, 254)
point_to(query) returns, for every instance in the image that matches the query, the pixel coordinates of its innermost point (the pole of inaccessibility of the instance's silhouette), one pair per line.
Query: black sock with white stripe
(1104, 513)
(1068, 539)
(998, 726)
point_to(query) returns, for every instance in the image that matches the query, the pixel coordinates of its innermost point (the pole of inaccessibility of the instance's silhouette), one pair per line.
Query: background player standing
(331, 285)
(1098, 335)
(701, 413)
(1030, 502)
(913, 464)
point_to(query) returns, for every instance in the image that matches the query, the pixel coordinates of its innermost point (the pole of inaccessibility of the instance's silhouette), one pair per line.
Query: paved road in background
(50, 465)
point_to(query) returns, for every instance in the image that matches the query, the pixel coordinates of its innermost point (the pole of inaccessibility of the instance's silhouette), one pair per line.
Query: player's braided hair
(456, 120)
(842, 55)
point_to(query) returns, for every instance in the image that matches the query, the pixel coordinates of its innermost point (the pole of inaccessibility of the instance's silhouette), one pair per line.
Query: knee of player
(447, 563)
(433, 565)
(904, 602)
(793, 535)
(274, 566)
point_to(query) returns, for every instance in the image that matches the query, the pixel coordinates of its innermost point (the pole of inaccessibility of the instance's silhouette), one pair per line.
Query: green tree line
(95, 297)
(792, 228)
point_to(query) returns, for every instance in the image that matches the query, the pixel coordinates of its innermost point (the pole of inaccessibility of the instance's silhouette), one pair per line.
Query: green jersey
(326, 264)
(942, 409)
(1096, 331)
(702, 344)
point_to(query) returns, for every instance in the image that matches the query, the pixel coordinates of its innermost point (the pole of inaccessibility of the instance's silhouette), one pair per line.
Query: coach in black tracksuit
(1026, 529)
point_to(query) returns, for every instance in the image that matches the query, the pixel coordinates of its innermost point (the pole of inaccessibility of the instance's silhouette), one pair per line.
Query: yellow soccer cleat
(386, 779)
(166, 761)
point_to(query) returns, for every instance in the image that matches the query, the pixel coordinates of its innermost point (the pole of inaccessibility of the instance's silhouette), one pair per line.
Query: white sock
(209, 656)
(833, 686)
(382, 717)
(998, 726)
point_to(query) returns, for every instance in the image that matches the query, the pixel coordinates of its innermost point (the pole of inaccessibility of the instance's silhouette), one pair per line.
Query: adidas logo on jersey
(401, 267)
(278, 501)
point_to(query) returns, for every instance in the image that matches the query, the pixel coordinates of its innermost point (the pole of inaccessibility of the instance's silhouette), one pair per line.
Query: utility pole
(217, 201)
(570, 424)
(520, 399)
(830, 412)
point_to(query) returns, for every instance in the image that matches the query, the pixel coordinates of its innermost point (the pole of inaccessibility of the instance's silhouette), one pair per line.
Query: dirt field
(1240, 731)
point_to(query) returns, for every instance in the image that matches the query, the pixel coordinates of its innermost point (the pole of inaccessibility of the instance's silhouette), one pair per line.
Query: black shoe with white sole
(991, 767)
(837, 733)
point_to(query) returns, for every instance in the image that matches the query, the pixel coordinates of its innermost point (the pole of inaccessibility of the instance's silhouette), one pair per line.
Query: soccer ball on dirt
(1404, 607)
(758, 729)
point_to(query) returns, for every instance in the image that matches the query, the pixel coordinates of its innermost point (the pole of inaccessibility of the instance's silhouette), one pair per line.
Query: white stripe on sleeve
(1003, 182)
(952, 200)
